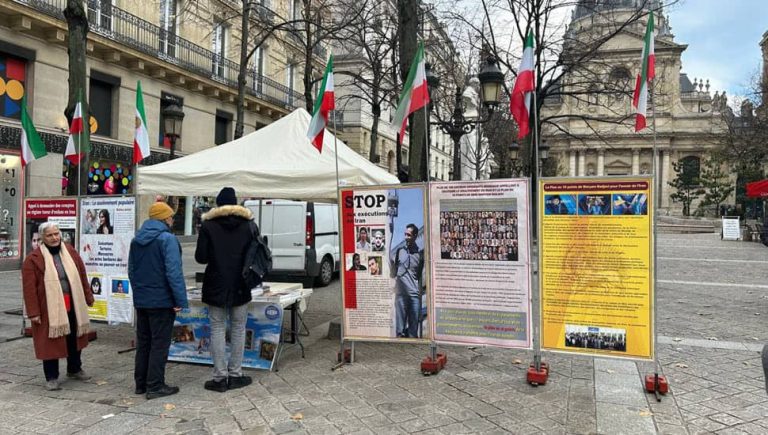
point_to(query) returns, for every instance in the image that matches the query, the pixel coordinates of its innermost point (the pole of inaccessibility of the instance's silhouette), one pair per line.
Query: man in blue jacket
(159, 292)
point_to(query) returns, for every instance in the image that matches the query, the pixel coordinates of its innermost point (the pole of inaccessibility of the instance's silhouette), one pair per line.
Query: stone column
(600, 162)
(582, 162)
(664, 173)
(635, 161)
(188, 212)
(572, 163)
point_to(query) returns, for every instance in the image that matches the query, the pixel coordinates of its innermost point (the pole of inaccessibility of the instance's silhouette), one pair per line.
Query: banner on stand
(385, 263)
(62, 211)
(596, 245)
(106, 229)
(480, 280)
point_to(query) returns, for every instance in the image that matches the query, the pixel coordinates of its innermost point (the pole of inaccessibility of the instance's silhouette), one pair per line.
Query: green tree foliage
(716, 184)
(686, 183)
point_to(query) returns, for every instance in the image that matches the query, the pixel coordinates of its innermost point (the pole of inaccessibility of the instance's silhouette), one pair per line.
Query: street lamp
(173, 118)
(491, 80)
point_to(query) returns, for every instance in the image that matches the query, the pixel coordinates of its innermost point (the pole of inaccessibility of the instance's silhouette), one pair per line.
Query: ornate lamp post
(491, 80)
(173, 118)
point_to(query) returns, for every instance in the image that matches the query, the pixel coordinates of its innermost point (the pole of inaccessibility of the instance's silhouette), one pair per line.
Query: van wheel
(326, 272)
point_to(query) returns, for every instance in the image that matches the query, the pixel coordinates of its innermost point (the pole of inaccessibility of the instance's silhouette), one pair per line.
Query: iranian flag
(415, 94)
(32, 147)
(77, 145)
(647, 73)
(525, 84)
(324, 103)
(141, 136)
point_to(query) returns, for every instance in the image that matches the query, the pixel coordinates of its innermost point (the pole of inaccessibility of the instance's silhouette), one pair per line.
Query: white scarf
(58, 322)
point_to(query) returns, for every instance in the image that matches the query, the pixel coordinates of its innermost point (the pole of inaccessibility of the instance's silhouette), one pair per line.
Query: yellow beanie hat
(160, 211)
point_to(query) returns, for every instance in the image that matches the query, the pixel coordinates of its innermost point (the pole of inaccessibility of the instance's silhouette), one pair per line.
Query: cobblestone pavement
(712, 311)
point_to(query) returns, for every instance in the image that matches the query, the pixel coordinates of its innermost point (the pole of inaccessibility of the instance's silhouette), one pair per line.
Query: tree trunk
(408, 15)
(77, 26)
(308, 56)
(243, 73)
(376, 109)
(456, 157)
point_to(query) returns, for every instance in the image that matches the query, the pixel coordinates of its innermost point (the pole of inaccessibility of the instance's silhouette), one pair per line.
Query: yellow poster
(597, 266)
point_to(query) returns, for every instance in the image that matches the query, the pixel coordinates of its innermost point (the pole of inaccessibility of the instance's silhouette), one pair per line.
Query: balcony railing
(141, 35)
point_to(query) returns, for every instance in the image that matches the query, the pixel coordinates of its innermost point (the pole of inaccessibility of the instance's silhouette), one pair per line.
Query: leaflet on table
(191, 339)
(106, 229)
(597, 266)
(480, 279)
(384, 278)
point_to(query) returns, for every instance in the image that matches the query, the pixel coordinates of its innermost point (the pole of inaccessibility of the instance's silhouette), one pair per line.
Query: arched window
(691, 169)
(391, 161)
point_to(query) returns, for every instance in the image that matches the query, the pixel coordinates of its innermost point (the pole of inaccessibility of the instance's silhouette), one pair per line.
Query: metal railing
(128, 29)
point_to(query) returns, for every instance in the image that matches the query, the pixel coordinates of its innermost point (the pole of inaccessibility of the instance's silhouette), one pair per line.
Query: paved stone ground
(713, 305)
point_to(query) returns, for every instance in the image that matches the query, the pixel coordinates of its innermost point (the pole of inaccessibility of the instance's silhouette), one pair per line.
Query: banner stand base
(344, 356)
(539, 376)
(432, 366)
(657, 385)
(129, 349)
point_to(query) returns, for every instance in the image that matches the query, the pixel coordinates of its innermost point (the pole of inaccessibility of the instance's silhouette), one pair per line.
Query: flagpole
(533, 214)
(654, 225)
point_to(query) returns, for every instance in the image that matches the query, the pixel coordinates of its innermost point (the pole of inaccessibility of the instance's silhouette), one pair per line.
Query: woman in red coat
(56, 296)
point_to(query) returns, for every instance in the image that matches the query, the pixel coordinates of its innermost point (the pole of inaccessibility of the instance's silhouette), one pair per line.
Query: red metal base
(431, 366)
(544, 366)
(347, 356)
(538, 377)
(650, 384)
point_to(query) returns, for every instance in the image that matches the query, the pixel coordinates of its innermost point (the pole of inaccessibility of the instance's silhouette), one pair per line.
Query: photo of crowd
(592, 337)
(479, 235)
(630, 204)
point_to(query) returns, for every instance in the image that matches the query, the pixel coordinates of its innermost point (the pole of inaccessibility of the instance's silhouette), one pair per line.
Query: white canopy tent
(277, 161)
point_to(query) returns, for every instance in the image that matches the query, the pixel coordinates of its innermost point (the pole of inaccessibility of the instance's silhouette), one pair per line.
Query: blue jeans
(407, 306)
(218, 319)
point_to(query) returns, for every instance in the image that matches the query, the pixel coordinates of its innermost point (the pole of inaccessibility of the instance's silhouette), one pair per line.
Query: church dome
(586, 8)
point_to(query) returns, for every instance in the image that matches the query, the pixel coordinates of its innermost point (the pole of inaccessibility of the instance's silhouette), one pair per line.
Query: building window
(258, 70)
(290, 75)
(166, 100)
(100, 14)
(13, 74)
(168, 37)
(223, 128)
(690, 169)
(102, 101)
(219, 48)
(295, 10)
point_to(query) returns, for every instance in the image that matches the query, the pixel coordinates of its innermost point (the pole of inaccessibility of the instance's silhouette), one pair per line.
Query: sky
(722, 38)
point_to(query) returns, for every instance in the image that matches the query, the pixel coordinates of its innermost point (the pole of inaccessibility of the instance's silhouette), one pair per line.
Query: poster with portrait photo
(107, 225)
(62, 211)
(390, 304)
(100, 296)
(480, 280)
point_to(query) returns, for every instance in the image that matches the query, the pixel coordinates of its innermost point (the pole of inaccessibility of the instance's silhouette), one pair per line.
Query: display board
(384, 276)
(107, 225)
(596, 244)
(480, 280)
(62, 211)
(191, 337)
(11, 194)
(731, 228)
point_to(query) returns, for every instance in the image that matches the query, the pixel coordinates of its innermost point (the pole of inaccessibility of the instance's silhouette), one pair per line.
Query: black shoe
(165, 390)
(238, 382)
(220, 386)
(140, 390)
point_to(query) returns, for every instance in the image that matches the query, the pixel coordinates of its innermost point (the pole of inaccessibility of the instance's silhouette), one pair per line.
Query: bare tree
(77, 26)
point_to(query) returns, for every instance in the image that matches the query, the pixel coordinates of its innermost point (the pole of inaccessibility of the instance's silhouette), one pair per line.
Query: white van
(303, 237)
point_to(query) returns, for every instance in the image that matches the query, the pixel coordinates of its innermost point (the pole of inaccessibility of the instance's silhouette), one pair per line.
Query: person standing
(225, 235)
(57, 296)
(408, 268)
(159, 292)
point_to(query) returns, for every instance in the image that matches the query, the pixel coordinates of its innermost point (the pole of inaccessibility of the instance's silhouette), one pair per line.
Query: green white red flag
(141, 136)
(77, 145)
(32, 147)
(324, 103)
(647, 73)
(525, 84)
(415, 93)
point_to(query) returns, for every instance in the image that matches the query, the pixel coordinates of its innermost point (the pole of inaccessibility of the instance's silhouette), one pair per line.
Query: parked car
(303, 237)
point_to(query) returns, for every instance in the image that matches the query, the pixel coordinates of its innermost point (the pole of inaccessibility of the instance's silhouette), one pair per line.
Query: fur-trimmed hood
(228, 210)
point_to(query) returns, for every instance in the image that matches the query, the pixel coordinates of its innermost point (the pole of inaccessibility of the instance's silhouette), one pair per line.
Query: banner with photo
(191, 339)
(385, 263)
(597, 276)
(480, 280)
(62, 211)
(107, 226)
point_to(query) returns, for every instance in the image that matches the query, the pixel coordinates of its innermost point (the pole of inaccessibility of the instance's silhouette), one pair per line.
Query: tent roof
(277, 161)
(758, 189)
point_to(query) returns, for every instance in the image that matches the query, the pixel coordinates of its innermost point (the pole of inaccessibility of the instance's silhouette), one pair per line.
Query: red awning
(758, 189)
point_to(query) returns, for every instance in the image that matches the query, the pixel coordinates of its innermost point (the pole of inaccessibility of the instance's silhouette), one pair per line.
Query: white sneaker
(53, 385)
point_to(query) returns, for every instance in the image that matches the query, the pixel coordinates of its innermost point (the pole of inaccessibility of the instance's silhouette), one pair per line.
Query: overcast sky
(722, 38)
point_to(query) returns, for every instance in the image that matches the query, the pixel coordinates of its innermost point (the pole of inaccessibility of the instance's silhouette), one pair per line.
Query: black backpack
(258, 260)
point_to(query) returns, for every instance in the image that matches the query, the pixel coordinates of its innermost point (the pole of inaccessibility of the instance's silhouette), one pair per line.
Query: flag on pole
(647, 73)
(525, 84)
(324, 103)
(77, 145)
(32, 147)
(415, 93)
(141, 136)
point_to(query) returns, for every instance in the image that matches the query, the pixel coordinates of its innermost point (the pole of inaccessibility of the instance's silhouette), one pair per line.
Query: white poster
(480, 279)
(106, 230)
